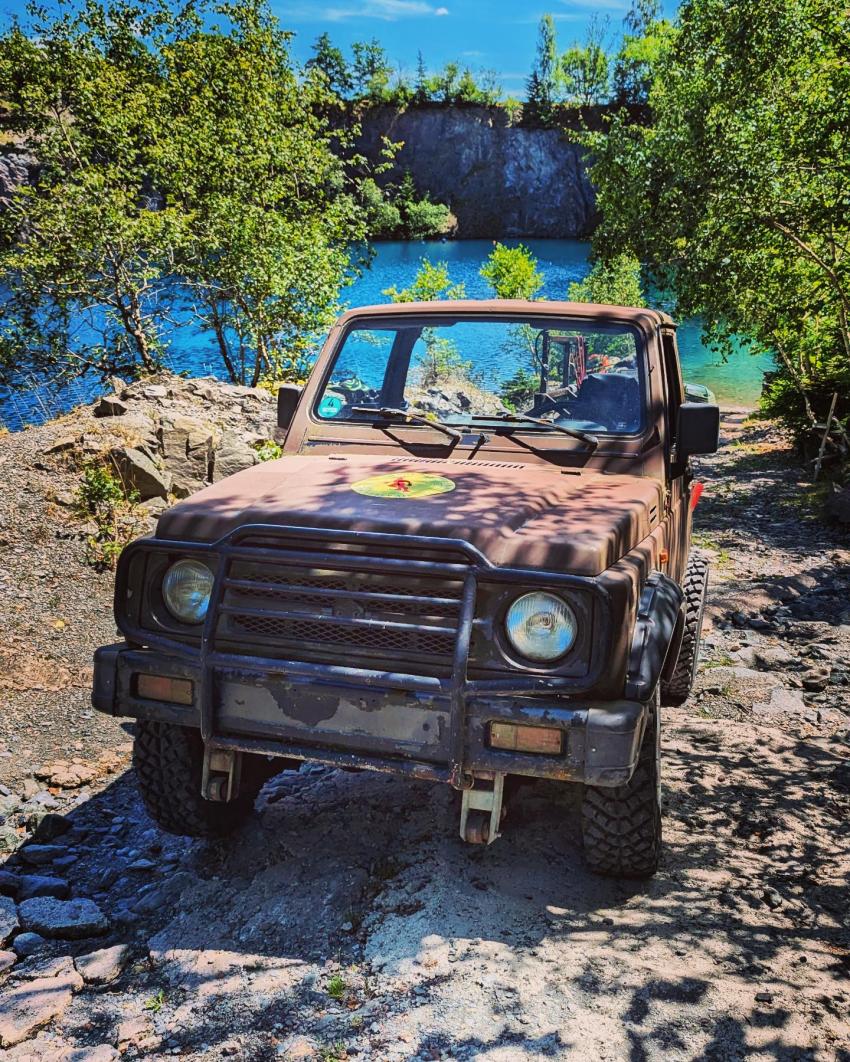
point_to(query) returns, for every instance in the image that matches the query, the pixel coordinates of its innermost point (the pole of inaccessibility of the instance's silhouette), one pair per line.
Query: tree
(371, 69)
(329, 61)
(583, 69)
(640, 49)
(735, 196)
(87, 249)
(420, 88)
(541, 84)
(615, 282)
(253, 166)
(512, 272)
(432, 281)
(181, 166)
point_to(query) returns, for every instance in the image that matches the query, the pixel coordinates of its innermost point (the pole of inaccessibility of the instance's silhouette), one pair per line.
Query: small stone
(26, 944)
(764, 997)
(110, 406)
(67, 442)
(131, 1031)
(67, 775)
(49, 826)
(101, 967)
(298, 1047)
(100, 1053)
(155, 391)
(40, 854)
(66, 919)
(9, 922)
(9, 883)
(41, 885)
(7, 960)
(138, 472)
(142, 864)
(31, 1005)
(46, 966)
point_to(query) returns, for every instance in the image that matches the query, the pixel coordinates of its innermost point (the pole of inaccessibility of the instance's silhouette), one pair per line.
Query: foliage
(541, 83)
(102, 498)
(336, 986)
(330, 62)
(639, 51)
(512, 272)
(431, 282)
(400, 213)
(736, 194)
(182, 165)
(615, 282)
(518, 390)
(269, 450)
(583, 69)
(370, 70)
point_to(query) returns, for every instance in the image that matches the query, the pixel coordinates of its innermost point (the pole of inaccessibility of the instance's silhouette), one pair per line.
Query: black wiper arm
(391, 413)
(514, 418)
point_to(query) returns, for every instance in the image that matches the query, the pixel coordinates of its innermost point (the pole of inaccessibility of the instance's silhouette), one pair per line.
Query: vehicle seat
(611, 399)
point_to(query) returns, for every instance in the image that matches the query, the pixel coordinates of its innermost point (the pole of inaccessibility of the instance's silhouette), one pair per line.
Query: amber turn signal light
(165, 688)
(543, 739)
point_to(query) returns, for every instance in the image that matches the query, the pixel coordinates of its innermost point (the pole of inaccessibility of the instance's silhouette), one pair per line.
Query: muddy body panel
(360, 587)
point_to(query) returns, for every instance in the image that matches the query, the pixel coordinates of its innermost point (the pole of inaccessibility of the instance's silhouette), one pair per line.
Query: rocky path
(350, 922)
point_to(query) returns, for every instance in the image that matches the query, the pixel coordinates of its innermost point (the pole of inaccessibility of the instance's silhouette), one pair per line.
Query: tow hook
(220, 776)
(481, 809)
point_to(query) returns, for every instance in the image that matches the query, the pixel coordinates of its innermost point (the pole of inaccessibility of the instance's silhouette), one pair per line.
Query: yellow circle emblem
(404, 485)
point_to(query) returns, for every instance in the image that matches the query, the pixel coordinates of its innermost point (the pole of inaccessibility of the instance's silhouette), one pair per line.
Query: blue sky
(492, 34)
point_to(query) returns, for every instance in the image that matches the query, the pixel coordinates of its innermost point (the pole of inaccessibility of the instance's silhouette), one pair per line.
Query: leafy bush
(615, 282)
(102, 498)
(512, 272)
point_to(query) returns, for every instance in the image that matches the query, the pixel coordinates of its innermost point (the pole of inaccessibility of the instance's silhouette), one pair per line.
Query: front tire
(676, 690)
(168, 761)
(621, 825)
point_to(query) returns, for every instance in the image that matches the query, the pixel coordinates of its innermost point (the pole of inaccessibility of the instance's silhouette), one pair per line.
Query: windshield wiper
(391, 413)
(521, 418)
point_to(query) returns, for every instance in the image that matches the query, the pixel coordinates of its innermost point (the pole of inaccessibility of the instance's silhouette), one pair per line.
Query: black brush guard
(205, 661)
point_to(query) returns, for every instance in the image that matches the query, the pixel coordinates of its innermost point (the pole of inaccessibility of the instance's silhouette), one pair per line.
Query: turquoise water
(736, 382)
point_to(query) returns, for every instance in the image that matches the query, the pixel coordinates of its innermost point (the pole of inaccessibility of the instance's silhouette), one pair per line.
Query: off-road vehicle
(471, 563)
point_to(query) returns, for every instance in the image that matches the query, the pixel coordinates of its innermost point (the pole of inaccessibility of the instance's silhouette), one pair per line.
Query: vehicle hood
(516, 515)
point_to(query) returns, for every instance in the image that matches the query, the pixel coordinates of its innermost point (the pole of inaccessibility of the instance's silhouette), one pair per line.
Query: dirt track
(357, 887)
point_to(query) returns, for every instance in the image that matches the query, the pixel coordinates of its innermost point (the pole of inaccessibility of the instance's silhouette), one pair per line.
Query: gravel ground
(349, 921)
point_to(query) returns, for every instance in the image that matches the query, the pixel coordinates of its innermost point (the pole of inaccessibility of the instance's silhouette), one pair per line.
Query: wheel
(621, 825)
(677, 688)
(168, 761)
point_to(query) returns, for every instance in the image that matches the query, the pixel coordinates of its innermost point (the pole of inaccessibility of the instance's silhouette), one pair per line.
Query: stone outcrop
(499, 180)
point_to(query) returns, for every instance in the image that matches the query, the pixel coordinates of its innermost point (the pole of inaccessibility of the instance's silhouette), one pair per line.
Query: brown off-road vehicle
(471, 564)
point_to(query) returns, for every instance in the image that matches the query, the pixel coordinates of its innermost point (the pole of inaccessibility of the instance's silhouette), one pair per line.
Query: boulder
(9, 883)
(26, 944)
(38, 855)
(186, 445)
(110, 406)
(8, 919)
(42, 885)
(838, 505)
(101, 967)
(7, 960)
(137, 472)
(782, 703)
(232, 455)
(32, 1004)
(63, 919)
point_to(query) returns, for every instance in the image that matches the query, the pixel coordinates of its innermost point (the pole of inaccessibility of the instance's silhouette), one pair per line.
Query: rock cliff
(499, 180)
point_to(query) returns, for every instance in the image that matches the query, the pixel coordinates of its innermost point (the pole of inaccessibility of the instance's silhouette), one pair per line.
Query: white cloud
(385, 10)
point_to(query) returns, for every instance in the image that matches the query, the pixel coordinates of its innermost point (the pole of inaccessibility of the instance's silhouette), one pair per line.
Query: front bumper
(337, 716)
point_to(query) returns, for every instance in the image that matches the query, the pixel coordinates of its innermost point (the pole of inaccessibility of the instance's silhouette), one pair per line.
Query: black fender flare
(656, 626)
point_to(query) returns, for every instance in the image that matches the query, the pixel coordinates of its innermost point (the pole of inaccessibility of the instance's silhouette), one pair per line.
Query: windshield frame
(395, 319)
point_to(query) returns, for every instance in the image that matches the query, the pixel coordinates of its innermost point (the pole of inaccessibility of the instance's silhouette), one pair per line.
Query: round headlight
(541, 626)
(186, 590)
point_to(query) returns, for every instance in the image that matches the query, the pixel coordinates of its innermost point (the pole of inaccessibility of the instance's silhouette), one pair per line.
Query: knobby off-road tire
(168, 760)
(621, 826)
(677, 688)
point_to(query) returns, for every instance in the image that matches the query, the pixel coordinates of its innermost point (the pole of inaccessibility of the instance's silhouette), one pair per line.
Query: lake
(736, 382)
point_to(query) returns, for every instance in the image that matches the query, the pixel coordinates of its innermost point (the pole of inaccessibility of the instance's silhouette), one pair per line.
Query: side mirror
(699, 429)
(288, 396)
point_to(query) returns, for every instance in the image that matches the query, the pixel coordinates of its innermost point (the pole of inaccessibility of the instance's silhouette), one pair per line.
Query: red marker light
(696, 493)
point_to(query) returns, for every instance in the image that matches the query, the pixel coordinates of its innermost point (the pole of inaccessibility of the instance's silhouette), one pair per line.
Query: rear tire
(621, 826)
(168, 761)
(676, 690)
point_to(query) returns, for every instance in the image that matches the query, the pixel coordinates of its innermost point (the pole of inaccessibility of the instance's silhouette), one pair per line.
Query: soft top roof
(454, 307)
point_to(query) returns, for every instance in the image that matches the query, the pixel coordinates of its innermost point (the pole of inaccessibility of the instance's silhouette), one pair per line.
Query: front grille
(385, 620)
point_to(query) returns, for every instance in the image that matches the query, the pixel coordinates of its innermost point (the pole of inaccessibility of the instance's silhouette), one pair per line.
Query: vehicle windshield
(579, 374)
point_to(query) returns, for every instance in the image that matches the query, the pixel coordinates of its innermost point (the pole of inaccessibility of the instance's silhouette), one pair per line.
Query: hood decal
(405, 485)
